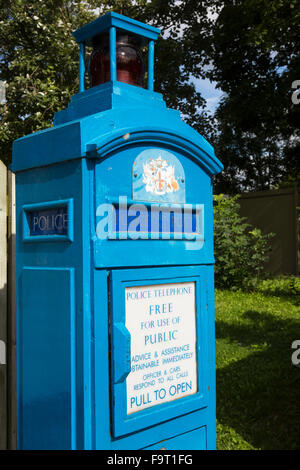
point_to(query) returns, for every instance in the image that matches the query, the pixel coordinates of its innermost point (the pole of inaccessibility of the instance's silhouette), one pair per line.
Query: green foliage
(282, 285)
(255, 56)
(39, 61)
(257, 386)
(250, 48)
(240, 250)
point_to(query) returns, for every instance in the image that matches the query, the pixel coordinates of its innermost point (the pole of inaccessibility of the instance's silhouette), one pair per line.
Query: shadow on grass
(259, 395)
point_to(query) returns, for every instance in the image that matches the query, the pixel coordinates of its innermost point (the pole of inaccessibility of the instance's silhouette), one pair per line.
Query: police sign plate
(49, 221)
(162, 322)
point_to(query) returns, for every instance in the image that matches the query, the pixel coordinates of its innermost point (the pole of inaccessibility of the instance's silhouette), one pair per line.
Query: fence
(7, 310)
(277, 211)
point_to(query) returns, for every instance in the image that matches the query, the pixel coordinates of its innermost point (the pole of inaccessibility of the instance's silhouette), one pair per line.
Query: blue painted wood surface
(72, 344)
(112, 19)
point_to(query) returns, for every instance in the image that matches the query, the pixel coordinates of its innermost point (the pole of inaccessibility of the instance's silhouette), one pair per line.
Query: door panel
(159, 345)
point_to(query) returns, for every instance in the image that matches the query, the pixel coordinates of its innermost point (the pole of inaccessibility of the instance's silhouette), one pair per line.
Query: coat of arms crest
(159, 177)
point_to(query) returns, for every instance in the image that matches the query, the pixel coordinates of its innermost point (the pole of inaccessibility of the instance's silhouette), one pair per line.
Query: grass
(258, 388)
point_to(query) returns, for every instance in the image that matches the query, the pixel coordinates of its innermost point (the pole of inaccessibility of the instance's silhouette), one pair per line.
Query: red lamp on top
(130, 64)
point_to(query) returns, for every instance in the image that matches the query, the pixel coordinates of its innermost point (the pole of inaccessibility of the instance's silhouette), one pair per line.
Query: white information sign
(162, 322)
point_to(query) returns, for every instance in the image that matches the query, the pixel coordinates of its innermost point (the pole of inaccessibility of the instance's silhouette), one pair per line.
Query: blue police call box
(115, 317)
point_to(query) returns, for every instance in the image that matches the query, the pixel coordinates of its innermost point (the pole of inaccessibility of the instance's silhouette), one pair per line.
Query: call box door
(159, 345)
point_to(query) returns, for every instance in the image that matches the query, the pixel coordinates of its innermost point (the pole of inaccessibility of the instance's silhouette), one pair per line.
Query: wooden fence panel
(276, 211)
(11, 316)
(3, 306)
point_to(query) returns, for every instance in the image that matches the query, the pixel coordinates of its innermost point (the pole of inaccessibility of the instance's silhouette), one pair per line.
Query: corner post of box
(150, 65)
(81, 66)
(113, 53)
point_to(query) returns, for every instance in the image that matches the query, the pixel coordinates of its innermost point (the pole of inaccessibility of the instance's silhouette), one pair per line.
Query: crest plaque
(158, 176)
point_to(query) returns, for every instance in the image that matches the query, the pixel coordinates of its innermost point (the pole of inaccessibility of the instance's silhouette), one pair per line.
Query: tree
(250, 48)
(39, 60)
(255, 54)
